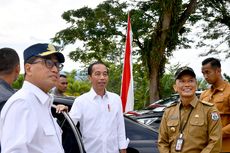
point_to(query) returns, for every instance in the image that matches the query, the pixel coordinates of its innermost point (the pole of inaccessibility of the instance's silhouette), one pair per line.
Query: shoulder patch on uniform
(215, 116)
(206, 103)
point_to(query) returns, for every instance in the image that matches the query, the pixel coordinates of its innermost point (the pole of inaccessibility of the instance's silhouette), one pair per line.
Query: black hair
(90, 68)
(9, 59)
(215, 63)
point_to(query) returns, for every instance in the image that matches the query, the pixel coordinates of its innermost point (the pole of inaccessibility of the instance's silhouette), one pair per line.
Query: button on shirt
(101, 122)
(26, 123)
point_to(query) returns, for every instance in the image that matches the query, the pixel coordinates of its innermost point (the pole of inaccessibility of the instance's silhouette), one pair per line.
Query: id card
(179, 144)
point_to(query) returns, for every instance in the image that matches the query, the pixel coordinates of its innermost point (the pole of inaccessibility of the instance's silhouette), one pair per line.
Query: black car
(143, 139)
(152, 114)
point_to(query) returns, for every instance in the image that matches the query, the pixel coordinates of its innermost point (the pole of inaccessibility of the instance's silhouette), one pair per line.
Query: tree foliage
(76, 87)
(227, 77)
(214, 17)
(19, 82)
(157, 25)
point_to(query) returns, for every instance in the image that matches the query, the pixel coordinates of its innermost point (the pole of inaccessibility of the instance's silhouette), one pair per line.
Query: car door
(71, 137)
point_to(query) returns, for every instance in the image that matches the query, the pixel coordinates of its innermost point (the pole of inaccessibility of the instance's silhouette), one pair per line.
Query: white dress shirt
(101, 122)
(27, 125)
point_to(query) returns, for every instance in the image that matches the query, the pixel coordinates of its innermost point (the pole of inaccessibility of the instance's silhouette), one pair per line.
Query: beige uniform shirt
(202, 133)
(220, 96)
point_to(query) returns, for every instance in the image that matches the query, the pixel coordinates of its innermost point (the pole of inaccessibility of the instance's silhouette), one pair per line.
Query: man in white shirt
(99, 113)
(26, 123)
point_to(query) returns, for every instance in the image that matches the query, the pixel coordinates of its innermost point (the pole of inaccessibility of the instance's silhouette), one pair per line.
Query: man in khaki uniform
(189, 126)
(218, 94)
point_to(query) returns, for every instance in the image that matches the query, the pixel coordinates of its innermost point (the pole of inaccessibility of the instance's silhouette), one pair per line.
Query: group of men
(197, 125)
(26, 122)
(27, 126)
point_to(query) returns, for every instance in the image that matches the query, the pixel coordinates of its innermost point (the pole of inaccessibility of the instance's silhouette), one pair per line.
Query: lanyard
(182, 127)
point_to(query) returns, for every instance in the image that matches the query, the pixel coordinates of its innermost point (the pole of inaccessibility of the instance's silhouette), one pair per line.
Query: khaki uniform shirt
(220, 96)
(202, 133)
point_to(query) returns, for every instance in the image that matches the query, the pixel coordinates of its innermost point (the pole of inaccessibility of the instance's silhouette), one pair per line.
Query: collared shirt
(101, 122)
(5, 92)
(220, 96)
(201, 133)
(27, 125)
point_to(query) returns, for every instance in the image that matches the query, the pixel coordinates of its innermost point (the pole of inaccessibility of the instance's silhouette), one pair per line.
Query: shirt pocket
(220, 104)
(49, 130)
(197, 127)
(172, 128)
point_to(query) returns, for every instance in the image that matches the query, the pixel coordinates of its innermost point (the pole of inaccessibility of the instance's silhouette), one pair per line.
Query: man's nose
(187, 83)
(55, 69)
(205, 76)
(102, 76)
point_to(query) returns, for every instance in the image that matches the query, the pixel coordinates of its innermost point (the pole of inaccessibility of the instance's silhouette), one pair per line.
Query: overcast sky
(26, 22)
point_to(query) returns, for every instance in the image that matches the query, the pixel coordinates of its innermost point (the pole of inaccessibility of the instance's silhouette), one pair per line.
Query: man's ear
(17, 69)
(218, 70)
(27, 68)
(16, 72)
(175, 87)
(89, 78)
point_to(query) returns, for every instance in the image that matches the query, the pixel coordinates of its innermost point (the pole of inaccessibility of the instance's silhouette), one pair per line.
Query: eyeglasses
(50, 64)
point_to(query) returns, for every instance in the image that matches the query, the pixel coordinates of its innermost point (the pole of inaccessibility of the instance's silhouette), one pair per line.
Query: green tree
(141, 84)
(215, 23)
(157, 30)
(202, 84)
(115, 72)
(19, 82)
(76, 87)
(167, 82)
(227, 77)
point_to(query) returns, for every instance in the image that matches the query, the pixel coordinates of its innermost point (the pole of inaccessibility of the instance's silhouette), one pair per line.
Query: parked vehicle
(152, 114)
(143, 139)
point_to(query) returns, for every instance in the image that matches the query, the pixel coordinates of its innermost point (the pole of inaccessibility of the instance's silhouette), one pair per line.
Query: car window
(136, 131)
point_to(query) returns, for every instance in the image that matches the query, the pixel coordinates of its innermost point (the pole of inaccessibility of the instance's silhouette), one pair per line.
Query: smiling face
(99, 78)
(186, 86)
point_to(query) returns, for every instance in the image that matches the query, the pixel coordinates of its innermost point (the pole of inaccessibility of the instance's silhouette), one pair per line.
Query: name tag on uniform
(179, 143)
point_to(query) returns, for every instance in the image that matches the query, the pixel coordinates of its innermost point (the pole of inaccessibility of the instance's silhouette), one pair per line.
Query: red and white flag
(127, 95)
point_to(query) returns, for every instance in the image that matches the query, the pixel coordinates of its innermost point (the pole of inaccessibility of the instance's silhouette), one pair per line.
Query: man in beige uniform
(218, 94)
(189, 126)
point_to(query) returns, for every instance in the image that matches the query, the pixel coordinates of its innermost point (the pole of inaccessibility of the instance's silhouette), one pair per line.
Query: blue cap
(42, 50)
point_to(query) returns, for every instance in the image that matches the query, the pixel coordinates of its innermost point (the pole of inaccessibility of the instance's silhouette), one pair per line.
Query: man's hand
(123, 151)
(60, 108)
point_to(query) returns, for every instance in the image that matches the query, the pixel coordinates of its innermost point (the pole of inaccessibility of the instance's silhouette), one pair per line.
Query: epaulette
(173, 104)
(206, 103)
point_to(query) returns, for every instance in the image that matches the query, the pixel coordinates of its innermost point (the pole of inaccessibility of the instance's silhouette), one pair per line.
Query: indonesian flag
(127, 95)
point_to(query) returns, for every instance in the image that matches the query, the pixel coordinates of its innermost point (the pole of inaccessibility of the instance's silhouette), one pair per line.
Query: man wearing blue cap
(26, 123)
